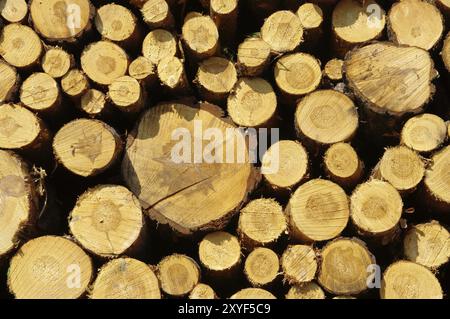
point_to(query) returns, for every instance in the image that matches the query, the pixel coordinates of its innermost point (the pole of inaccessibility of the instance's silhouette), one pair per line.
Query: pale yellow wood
(159, 44)
(261, 267)
(126, 94)
(202, 291)
(253, 293)
(9, 82)
(318, 210)
(75, 83)
(125, 278)
(253, 56)
(437, 180)
(333, 69)
(299, 264)
(156, 13)
(178, 275)
(40, 92)
(311, 16)
(93, 102)
(309, 290)
(143, 70)
(342, 165)
(216, 77)
(56, 62)
(408, 280)
(200, 36)
(219, 252)
(172, 75)
(282, 31)
(424, 133)
(49, 267)
(14, 10)
(115, 22)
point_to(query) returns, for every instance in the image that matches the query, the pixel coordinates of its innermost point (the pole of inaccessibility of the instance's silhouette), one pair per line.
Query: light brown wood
(107, 221)
(437, 181)
(58, 20)
(253, 56)
(49, 267)
(202, 291)
(87, 147)
(103, 62)
(253, 293)
(41, 93)
(261, 223)
(93, 103)
(171, 174)
(125, 278)
(282, 31)
(404, 27)
(225, 15)
(317, 211)
(14, 10)
(9, 82)
(299, 264)
(262, 267)
(343, 166)
(285, 165)
(159, 44)
(127, 95)
(18, 201)
(172, 76)
(375, 209)
(20, 46)
(427, 244)
(157, 14)
(424, 133)
(75, 84)
(143, 70)
(344, 264)
(56, 62)
(355, 23)
(201, 37)
(252, 103)
(309, 290)
(407, 280)
(178, 275)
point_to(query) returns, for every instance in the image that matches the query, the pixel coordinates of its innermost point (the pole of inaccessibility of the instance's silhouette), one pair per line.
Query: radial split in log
(125, 278)
(343, 270)
(58, 20)
(318, 210)
(225, 15)
(93, 103)
(107, 220)
(299, 264)
(309, 290)
(18, 200)
(261, 267)
(355, 23)
(333, 70)
(405, 26)
(252, 103)
(261, 223)
(87, 147)
(116, 23)
(215, 79)
(282, 31)
(178, 275)
(437, 181)
(375, 209)
(164, 172)
(9, 82)
(127, 95)
(285, 165)
(20, 46)
(21, 130)
(311, 19)
(390, 79)
(402, 168)
(173, 77)
(408, 280)
(156, 13)
(201, 37)
(220, 254)
(424, 133)
(297, 74)
(253, 56)
(253, 293)
(159, 44)
(49, 267)
(75, 84)
(14, 10)
(202, 291)
(41, 93)
(343, 166)
(56, 62)
(326, 117)
(104, 61)
(427, 244)
(143, 70)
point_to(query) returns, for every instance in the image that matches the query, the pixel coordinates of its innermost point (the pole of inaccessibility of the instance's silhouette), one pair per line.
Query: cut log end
(156, 13)
(427, 244)
(253, 293)
(376, 208)
(159, 44)
(107, 221)
(318, 210)
(41, 93)
(424, 133)
(285, 165)
(9, 82)
(125, 278)
(56, 62)
(39, 270)
(437, 181)
(253, 56)
(93, 102)
(87, 147)
(75, 84)
(126, 94)
(421, 282)
(299, 264)
(253, 103)
(178, 275)
(172, 75)
(202, 291)
(220, 253)
(283, 31)
(333, 70)
(445, 53)
(201, 37)
(143, 70)
(261, 267)
(14, 10)
(344, 265)
(309, 290)
(261, 223)
(116, 23)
